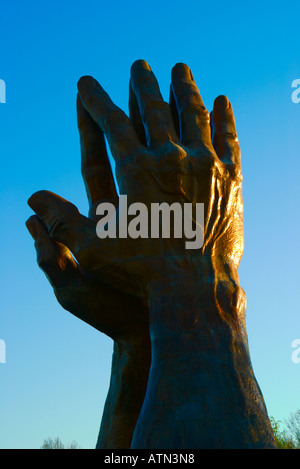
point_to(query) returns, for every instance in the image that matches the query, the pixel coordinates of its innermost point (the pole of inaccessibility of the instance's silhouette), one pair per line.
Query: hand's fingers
(174, 111)
(155, 112)
(63, 221)
(193, 117)
(225, 139)
(135, 116)
(113, 122)
(95, 165)
(53, 258)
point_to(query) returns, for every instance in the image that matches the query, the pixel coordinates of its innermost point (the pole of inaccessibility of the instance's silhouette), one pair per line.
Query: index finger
(113, 122)
(95, 166)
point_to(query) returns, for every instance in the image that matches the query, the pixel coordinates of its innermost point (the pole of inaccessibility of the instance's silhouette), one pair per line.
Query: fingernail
(181, 71)
(140, 64)
(222, 102)
(87, 83)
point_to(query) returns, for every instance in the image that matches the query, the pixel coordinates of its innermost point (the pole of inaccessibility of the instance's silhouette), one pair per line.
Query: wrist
(200, 363)
(132, 353)
(195, 296)
(128, 382)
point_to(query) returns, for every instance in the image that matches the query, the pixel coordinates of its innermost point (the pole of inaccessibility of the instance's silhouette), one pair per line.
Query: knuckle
(195, 109)
(185, 88)
(210, 163)
(234, 171)
(154, 106)
(226, 135)
(228, 148)
(112, 117)
(174, 155)
(231, 136)
(44, 263)
(205, 162)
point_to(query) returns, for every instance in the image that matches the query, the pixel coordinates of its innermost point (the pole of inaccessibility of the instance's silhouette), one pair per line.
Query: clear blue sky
(57, 371)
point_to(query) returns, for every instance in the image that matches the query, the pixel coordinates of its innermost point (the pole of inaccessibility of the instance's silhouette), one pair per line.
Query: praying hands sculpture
(181, 371)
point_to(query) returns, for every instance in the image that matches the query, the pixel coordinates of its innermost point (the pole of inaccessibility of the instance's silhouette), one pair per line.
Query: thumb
(53, 258)
(63, 221)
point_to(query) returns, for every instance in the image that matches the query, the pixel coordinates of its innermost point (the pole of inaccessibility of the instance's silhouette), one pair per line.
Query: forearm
(201, 376)
(129, 376)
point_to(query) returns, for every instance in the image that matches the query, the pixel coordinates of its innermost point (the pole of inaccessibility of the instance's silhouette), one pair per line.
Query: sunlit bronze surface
(201, 390)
